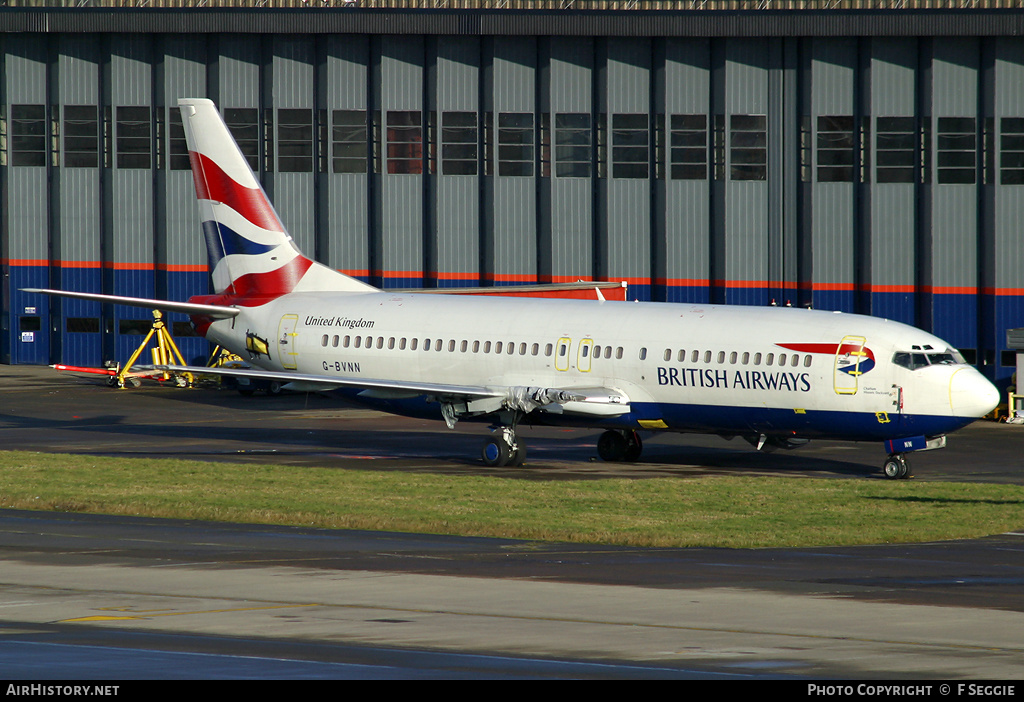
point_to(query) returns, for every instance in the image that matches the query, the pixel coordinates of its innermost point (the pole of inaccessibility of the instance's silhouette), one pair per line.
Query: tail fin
(250, 252)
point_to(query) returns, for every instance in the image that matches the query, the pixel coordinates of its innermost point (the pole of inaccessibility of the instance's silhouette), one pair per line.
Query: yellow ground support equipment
(165, 352)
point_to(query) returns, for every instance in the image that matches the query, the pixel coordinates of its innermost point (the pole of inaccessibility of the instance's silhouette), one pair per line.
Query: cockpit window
(927, 356)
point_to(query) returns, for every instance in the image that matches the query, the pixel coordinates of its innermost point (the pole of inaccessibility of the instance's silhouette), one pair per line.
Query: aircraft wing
(214, 311)
(314, 382)
(456, 400)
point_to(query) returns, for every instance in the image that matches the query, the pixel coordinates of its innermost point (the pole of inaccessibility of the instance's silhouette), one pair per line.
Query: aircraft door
(847, 369)
(583, 355)
(562, 354)
(287, 338)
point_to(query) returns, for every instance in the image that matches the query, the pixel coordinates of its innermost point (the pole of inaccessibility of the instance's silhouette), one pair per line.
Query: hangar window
(177, 146)
(895, 142)
(1011, 148)
(688, 142)
(133, 137)
(295, 141)
(748, 147)
(404, 142)
(28, 135)
(348, 141)
(630, 147)
(83, 325)
(572, 145)
(82, 136)
(956, 147)
(458, 143)
(836, 149)
(244, 123)
(515, 144)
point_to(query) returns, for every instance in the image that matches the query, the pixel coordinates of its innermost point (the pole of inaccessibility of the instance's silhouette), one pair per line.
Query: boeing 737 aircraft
(775, 376)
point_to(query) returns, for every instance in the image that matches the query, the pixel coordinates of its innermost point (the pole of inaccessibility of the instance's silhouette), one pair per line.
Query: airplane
(776, 376)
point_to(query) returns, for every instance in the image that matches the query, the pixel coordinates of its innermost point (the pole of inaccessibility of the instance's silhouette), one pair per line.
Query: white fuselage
(725, 369)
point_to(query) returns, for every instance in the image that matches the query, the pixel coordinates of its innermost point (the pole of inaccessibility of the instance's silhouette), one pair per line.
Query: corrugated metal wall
(877, 175)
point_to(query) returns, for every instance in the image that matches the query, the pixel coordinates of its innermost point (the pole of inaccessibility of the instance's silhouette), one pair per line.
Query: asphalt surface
(118, 598)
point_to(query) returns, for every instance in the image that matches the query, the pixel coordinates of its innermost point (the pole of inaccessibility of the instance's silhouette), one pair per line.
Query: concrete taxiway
(85, 596)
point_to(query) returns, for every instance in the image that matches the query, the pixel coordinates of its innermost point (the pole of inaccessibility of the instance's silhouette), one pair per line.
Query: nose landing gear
(896, 467)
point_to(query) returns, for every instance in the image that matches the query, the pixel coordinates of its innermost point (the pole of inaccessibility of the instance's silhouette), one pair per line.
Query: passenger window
(497, 347)
(668, 354)
(535, 349)
(746, 357)
(757, 359)
(323, 341)
(782, 359)
(769, 359)
(707, 357)
(721, 357)
(807, 361)
(346, 342)
(334, 341)
(643, 353)
(694, 356)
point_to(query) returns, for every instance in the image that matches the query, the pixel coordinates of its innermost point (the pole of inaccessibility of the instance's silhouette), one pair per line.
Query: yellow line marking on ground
(111, 618)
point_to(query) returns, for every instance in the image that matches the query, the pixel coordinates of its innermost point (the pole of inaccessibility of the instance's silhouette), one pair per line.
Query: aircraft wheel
(274, 388)
(496, 452)
(896, 467)
(518, 457)
(612, 447)
(634, 447)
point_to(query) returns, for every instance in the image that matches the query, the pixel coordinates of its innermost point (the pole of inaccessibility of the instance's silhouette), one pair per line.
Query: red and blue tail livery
(252, 257)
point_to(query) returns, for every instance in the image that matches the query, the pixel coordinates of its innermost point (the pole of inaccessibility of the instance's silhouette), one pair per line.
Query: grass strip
(732, 512)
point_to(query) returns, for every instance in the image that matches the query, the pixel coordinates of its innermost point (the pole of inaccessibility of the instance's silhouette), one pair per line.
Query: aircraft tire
(634, 446)
(518, 457)
(612, 447)
(896, 467)
(496, 453)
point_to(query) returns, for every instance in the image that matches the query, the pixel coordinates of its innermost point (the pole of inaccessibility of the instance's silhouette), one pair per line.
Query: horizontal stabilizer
(214, 311)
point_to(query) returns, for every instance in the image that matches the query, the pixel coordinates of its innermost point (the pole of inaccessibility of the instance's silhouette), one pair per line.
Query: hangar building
(841, 155)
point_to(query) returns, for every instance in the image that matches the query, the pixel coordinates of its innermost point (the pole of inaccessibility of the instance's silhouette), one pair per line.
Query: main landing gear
(616, 446)
(896, 467)
(502, 449)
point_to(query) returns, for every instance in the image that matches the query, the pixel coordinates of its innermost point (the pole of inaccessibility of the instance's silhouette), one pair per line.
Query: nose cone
(971, 394)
